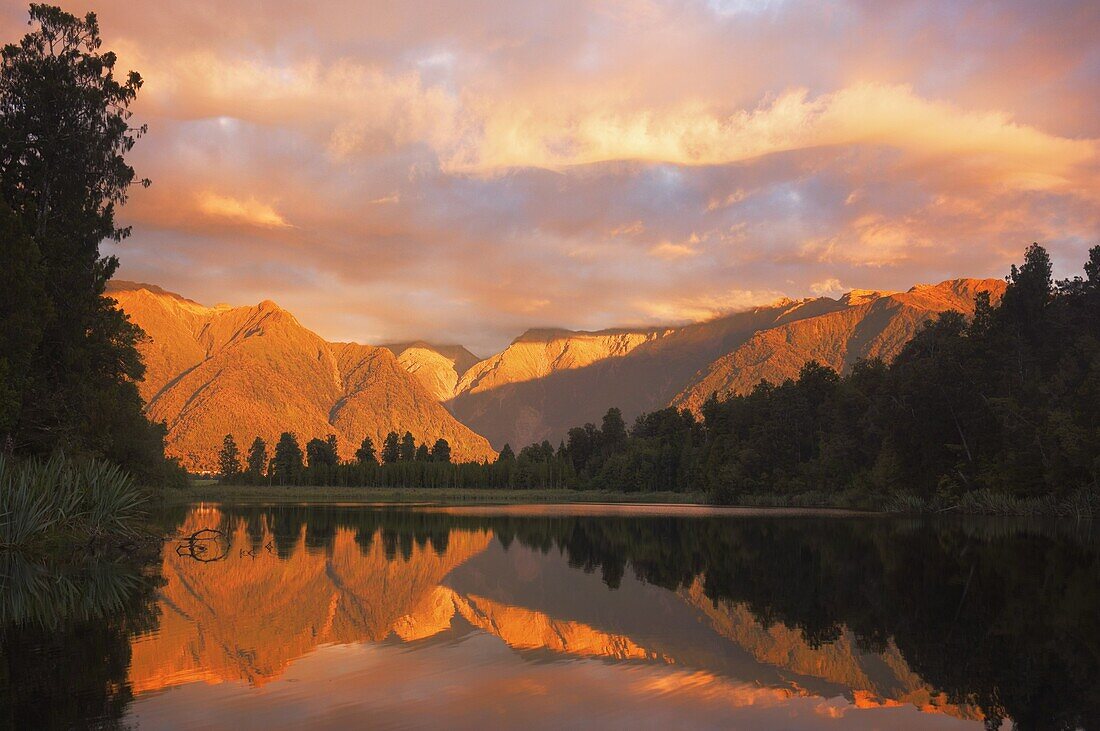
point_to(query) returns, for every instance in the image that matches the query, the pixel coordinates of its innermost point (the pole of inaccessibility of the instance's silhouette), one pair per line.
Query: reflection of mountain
(247, 618)
(872, 678)
(687, 629)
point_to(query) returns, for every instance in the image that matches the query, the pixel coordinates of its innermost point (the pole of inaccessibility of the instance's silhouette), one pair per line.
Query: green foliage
(23, 303)
(65, 500)
(322, 452)
(982, 416)
(69, 360)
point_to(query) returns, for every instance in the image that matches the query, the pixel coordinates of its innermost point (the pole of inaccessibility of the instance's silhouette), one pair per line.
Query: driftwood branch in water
(205, 544)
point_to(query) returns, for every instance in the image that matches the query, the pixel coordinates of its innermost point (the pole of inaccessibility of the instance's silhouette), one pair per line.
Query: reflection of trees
(1002, 615)
(65, 634)
(36, 592)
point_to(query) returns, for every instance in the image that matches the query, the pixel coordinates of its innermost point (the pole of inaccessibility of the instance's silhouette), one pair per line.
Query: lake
(561, 617)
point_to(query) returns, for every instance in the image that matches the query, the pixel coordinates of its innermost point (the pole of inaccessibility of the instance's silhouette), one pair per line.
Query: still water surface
(354, 617)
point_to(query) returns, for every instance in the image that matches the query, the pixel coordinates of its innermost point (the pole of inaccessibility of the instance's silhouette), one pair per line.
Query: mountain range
(256, 371)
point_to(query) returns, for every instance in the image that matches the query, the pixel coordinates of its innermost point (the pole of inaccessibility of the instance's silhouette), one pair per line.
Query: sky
(462, 171)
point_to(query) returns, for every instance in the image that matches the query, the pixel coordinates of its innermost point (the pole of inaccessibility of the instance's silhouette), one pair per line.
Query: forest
(980, 413)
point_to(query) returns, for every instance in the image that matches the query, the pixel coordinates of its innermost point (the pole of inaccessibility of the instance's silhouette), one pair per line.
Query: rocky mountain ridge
(256, 371)
(210, 366)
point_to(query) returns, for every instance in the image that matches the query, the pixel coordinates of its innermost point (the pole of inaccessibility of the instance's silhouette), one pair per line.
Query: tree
(391, 448)
(24, 307)
(321, 452)
(229, 459)
(441, 451)
(582, 445)
(407, 451)
(64, 133)
(506, 454)
(365, 454)
(422, 453)
(257, 457)
(287, 464)
(613, 431)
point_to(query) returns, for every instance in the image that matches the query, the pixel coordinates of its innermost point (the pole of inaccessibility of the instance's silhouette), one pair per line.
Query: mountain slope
(871, 325)
(547, 381)
(437, 366)
(256, 371)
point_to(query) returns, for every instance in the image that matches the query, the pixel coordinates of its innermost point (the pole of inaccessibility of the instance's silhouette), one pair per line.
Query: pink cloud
(463, 171)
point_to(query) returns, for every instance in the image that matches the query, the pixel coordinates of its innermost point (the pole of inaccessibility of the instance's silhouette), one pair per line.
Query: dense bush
(59, 500)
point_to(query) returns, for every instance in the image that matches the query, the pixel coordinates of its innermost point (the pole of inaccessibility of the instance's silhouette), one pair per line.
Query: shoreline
(422, 496)
(1078, 509)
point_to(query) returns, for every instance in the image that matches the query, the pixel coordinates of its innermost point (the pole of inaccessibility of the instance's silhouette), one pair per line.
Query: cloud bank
(463, 171)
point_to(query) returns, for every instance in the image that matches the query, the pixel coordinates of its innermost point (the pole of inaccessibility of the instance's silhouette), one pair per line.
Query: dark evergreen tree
(24, 307)
(321, 453)
(422, 453)
(407, 450)
(613, 431)
(365, 455)
(229, 459)
(506, 454)
(583, 445)
(287, 463)
(441, 451)
(257, 458)
(391, 448)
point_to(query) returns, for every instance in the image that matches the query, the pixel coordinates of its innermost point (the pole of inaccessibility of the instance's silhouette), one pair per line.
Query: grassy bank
(1082, 505)
(450, 496)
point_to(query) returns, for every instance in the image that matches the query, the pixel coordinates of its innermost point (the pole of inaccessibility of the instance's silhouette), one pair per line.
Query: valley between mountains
(257, 371)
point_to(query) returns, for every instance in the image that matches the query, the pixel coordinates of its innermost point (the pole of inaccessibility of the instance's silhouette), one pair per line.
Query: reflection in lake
(343, 617)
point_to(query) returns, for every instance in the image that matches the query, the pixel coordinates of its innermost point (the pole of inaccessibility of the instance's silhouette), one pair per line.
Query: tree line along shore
(993, 415)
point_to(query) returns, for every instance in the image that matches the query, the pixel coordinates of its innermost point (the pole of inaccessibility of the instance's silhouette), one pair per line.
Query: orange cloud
(249, 212)
(535, 132)
(706, 307)
(670, 252)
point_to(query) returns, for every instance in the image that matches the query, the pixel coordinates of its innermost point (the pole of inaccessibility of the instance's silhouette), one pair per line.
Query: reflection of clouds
(502, 153)
(481, 683)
